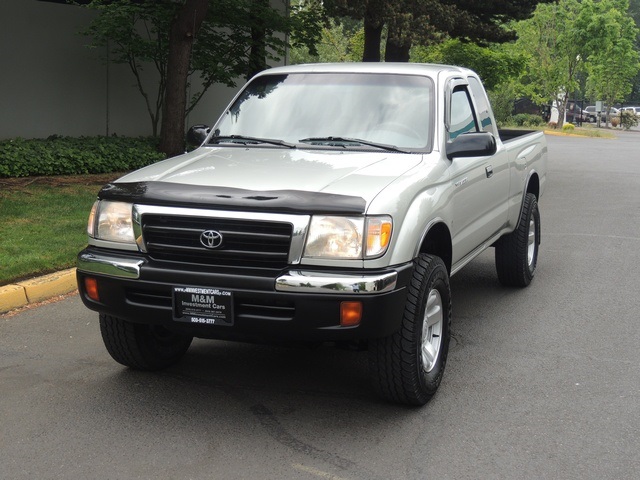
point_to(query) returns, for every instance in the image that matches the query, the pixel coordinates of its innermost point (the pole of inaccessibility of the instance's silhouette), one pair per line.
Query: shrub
(615, 121)
(628, 119)
(568, 127)
(526, 120)
(552, 125)
(58, 155)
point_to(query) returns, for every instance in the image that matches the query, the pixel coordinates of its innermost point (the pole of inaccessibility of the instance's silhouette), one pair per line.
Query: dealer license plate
(209, 306)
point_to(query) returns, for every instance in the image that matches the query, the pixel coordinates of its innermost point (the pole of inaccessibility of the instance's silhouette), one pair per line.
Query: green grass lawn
(43, 223)
(590, 131)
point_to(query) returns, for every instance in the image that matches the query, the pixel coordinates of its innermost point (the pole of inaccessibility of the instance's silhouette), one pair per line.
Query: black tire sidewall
(534, 214)
(161, 347)
(436, 278)
(140, 346)
(395, 362)
(511, 251)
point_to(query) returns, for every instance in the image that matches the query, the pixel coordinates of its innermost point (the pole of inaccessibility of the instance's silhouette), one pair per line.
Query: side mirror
(472, 145)
(197, 135)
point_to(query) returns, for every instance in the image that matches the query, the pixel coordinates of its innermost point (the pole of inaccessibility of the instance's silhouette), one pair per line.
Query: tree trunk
(396, 50)
(372, 39)
(184, 27)
(562, 108)
(258, 51)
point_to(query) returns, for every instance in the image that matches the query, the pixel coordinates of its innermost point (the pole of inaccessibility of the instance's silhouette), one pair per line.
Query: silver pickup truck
(329, 203)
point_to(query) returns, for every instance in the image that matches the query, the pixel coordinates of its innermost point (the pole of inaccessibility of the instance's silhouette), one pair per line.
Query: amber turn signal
(350, 313)
(91, 287)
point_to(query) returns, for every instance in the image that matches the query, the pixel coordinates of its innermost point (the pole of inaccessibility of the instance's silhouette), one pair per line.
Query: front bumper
(287, 305)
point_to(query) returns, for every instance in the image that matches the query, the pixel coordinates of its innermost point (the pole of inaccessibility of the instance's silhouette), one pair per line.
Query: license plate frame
(202, 305)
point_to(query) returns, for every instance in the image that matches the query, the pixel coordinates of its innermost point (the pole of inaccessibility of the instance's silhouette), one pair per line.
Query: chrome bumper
(317, 282)
(296, 281)
(110, 266)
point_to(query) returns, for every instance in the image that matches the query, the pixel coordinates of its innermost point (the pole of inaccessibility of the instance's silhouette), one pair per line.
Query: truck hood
(269, 169)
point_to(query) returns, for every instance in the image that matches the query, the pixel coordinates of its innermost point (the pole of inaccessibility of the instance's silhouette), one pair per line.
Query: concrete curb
(37, 289)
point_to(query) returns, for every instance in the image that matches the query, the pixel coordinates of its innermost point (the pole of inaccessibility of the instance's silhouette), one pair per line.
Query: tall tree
(554, 42)
(183, 30)
(495, 64)
(259, 30)
(373, 25)
(634, 11)
(218, 41)
(411, 21)
(613, 61)
(339, 42)
(135, 34)
(372, 13)
(562, 39)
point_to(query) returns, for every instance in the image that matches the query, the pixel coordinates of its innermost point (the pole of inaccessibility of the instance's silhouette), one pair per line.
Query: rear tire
(517, 253)
(407, 366)
(142, 347)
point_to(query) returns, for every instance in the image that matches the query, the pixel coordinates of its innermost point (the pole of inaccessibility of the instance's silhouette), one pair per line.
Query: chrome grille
(245, 242)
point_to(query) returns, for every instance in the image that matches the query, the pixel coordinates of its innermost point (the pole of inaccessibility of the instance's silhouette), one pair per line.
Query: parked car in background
(592, 114)
(635, 110)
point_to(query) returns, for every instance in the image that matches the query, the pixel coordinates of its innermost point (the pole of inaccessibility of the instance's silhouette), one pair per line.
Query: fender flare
(532, 185)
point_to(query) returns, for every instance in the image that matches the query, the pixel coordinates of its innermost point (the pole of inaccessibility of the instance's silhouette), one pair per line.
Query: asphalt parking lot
(541, 383)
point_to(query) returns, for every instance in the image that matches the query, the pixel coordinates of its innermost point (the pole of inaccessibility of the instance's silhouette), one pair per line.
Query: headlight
(335, 237)
(111, 221)
(348, 237)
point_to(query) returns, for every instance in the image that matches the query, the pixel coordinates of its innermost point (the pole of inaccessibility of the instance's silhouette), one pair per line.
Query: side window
(482, 103)
(462, 117)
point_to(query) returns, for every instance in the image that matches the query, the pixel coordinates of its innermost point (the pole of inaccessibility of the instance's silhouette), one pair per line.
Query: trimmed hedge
(58, 155)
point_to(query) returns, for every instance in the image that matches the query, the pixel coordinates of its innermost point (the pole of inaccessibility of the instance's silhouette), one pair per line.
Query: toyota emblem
(211, 239)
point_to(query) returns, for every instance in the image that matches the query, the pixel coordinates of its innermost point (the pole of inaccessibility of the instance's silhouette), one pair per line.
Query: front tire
(142, 347)
(517, 253)
(407, 366)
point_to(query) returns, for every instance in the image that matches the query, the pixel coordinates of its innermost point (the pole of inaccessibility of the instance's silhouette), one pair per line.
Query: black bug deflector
(225, 198)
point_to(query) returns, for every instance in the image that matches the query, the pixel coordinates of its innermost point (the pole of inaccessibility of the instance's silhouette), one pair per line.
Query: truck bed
(509, 134)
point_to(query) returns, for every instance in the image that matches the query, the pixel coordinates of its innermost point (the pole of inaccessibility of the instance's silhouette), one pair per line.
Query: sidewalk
(37, 289)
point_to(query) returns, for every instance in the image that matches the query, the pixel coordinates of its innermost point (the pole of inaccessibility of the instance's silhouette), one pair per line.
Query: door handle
(489, 171)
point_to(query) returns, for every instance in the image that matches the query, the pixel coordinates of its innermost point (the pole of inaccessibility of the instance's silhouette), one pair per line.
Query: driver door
(480, 184)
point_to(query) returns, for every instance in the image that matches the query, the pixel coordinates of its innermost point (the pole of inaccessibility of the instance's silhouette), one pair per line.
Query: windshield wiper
(343, 141)
(244, 140)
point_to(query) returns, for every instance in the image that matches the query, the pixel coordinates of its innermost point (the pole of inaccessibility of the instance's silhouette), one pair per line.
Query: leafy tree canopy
(613, 60)
(493, 64)
(412, 22)
(561, 40)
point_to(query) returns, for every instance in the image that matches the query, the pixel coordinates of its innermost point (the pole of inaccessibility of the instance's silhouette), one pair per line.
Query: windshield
(317, 108)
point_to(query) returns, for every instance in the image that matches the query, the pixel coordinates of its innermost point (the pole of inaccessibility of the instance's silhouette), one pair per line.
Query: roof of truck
(427, 69)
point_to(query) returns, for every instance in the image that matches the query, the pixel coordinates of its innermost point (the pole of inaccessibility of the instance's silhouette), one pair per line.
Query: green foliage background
(58, 155)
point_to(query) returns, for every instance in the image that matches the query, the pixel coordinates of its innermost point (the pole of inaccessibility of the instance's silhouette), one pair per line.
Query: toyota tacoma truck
(328, 203)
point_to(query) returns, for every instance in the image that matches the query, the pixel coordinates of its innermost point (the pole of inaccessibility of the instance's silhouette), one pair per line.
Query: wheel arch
(437, 241)
(532, 186)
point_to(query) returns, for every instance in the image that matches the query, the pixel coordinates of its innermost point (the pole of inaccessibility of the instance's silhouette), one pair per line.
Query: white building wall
(52, 84)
